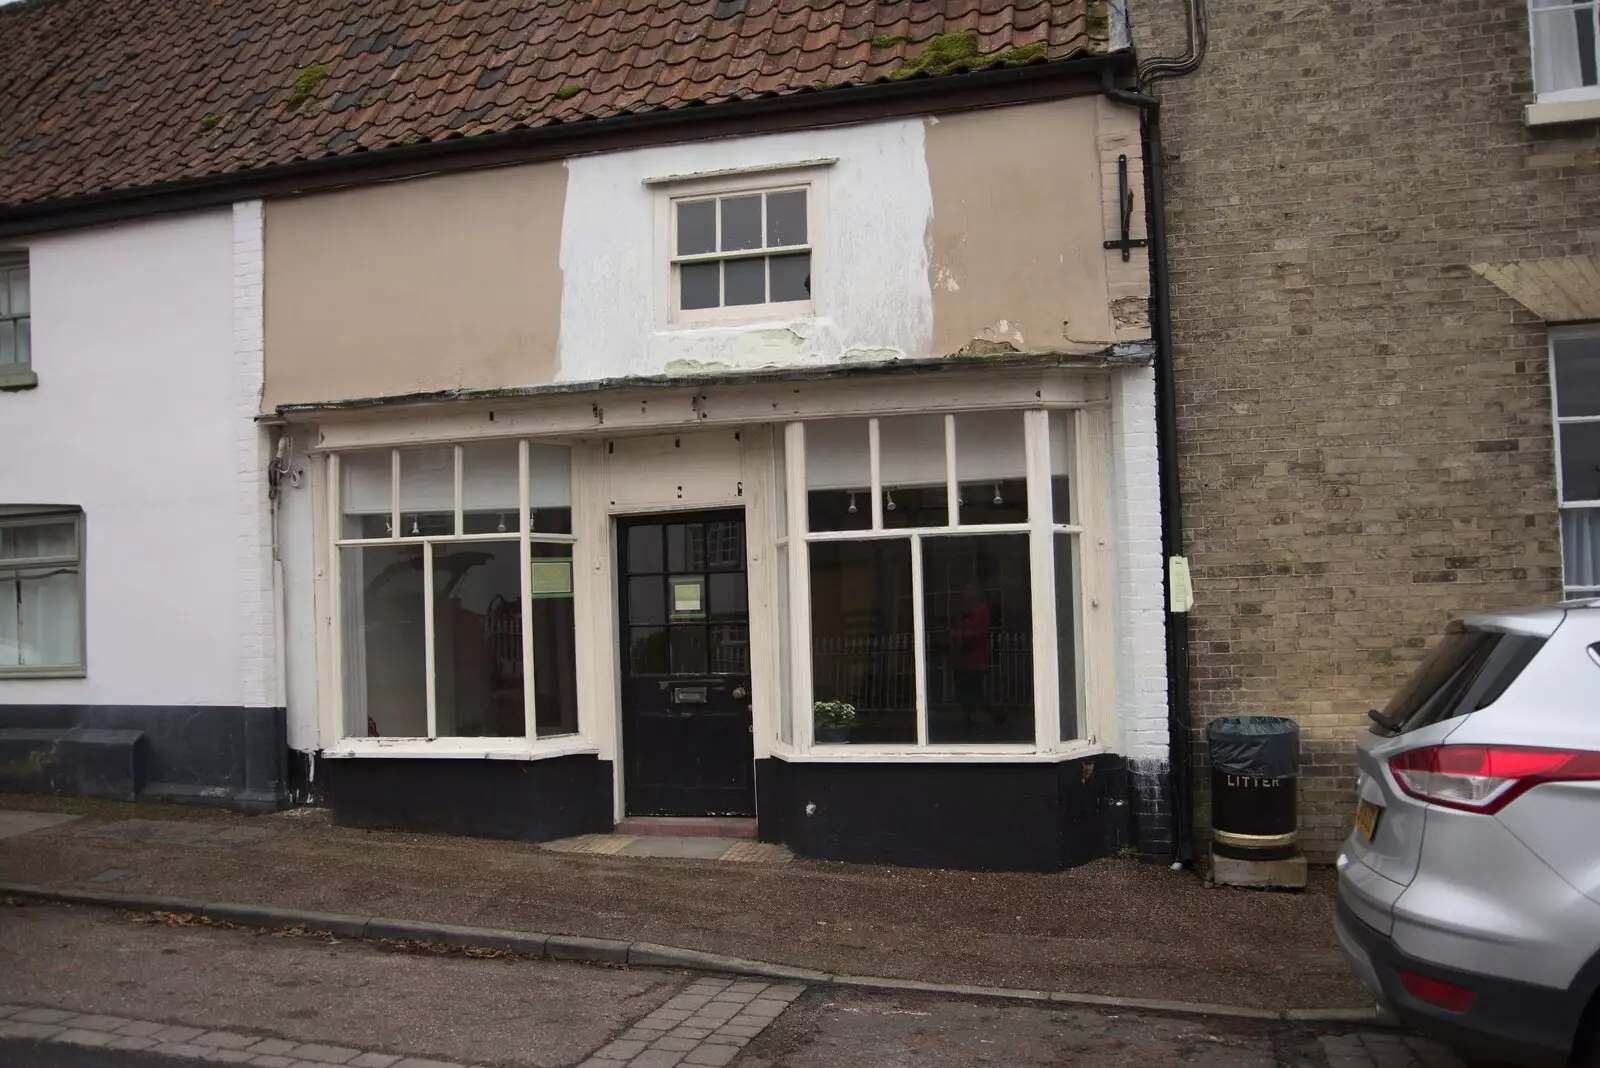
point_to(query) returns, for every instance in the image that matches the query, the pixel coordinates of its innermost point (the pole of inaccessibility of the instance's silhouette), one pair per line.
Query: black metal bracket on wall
(1125, 202)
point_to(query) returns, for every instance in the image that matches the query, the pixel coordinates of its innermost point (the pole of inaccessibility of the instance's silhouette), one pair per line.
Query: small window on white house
(41, 593)
(16, 322)
(1575, 365)
(1564, 56)
(739, 252)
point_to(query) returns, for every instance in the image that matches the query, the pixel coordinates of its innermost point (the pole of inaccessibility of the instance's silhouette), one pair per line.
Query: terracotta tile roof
(98, 95)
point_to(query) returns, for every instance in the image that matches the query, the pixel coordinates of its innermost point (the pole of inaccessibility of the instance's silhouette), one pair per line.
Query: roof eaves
(1117, 355)
(1081, 74)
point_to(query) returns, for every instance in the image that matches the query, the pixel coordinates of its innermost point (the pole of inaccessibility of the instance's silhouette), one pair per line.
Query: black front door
(685, 615)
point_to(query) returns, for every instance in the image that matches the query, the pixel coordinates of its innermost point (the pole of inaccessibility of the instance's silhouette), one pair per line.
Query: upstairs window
(1564, 56)
(740, 251)
(16, 332)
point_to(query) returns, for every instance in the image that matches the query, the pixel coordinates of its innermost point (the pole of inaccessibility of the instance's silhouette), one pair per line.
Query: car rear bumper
(1510, 1021)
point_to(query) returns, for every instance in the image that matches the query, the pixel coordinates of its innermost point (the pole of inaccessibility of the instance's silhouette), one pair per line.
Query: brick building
(1364, 416)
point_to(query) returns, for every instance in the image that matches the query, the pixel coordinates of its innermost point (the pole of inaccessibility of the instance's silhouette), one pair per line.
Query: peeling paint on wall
(874, 298)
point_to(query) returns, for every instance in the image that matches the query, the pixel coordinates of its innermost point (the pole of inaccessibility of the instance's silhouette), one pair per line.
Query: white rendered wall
(1136, 522)
(141, 418)
(297, 548)
(874, 300)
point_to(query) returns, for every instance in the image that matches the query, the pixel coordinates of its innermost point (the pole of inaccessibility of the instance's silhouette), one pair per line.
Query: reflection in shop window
(863, 638)
(978, 622)
(481, 628)
(555, 636)
(922, 614)
(477, 641)
(385, 641)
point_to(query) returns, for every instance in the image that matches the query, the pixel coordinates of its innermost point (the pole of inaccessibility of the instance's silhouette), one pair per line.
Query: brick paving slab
(130, 1042)
(175, 1033)
(277, 1047)
(317, 1053)
(656, 1058)
(79, 1036)
(43, 1016)
(181, 1049)
(225, 1040)
(374, 1060)
(96, 1022)
(23, 1029)
(141, 1028)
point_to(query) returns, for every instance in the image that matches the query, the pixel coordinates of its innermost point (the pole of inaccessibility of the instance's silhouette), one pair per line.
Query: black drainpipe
(1178, 713)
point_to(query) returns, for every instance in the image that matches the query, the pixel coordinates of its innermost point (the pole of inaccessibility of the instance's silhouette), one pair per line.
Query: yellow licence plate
(1367, 819)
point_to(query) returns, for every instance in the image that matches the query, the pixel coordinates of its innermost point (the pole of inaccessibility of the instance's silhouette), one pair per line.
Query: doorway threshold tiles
(674, 847)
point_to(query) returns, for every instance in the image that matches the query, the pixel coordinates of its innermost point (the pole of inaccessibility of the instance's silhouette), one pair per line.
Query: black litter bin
(1255, 765)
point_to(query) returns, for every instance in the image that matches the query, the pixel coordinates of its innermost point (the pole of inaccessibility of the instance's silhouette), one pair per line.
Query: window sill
(7, 674)
(790, 316)
(13, 380)
(996, 754)
(1559, 112)
(459, 748)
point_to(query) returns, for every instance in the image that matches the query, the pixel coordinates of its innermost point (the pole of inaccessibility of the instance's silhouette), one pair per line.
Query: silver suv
(1469, 889)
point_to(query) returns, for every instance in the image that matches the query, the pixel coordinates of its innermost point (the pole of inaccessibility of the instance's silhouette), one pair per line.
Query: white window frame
(20, 517)
(1557, 421)
(1581, 92)
(1094, 636)
(17, 375)
(810, 177)
(529, 744)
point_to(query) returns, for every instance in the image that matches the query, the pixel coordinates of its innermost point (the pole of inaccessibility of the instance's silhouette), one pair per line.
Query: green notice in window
(551, 577)
(688, 597)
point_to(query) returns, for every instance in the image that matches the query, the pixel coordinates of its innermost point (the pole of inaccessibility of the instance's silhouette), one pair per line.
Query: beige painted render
(428, 284)
(1023, 199)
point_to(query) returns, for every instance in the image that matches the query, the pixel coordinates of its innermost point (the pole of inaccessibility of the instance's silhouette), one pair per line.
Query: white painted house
(790, 460)
(137, 620)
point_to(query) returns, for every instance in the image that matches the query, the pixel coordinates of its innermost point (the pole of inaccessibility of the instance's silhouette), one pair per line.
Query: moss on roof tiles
(954, 53)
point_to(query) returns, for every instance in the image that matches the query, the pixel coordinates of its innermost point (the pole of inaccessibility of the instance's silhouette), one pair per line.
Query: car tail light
(1437, 992)
(1487, 778)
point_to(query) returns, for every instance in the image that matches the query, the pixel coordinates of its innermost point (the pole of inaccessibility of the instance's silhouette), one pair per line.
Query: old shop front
(873, 610)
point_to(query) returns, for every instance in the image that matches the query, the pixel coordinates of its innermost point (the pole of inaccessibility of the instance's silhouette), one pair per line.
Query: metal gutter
(862, 103)
(1118, 355)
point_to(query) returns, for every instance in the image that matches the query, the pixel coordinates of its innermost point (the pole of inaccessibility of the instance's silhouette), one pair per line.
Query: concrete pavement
(203, 994)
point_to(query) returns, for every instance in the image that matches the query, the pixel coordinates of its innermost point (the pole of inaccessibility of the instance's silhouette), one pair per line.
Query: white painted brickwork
(137, 419)
(255, 602)
(1136, 519)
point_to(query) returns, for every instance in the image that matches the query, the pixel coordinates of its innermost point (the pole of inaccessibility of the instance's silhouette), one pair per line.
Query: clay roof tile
(101, 95)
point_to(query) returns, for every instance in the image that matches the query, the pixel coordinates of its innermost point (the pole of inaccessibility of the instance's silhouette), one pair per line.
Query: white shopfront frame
(528, 745)
(1093, 644)
(762, 411)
